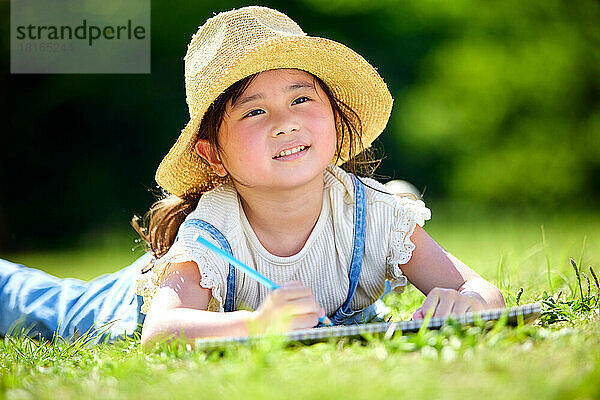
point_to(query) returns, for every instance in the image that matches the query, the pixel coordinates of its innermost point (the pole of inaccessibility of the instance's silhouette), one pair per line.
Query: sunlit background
(496, 112)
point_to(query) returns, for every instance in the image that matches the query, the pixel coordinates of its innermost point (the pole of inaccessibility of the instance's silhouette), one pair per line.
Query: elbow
(151, 334)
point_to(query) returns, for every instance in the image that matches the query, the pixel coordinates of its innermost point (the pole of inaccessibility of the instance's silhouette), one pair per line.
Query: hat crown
(226, 37)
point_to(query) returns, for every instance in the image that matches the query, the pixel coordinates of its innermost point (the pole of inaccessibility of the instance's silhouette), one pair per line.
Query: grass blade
(500, 273)
(519, 293)
(548, 263)
(588, 283)
(574, 264)
(582, 250)
(595, 278)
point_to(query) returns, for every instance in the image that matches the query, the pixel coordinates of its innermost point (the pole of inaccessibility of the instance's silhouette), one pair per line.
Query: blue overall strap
(224, 244)
(358, 250)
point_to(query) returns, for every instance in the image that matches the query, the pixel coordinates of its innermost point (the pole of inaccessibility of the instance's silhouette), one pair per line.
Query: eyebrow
(258, 96)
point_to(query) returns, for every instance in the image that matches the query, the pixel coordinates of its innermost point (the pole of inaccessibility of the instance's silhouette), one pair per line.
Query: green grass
(94, 254)
(557, 357)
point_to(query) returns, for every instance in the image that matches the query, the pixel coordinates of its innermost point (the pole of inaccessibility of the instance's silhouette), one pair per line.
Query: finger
(430, 302)
(418, 314)
(291, 293)
(305, 321)
(476, 305)
(465, 304)
(460, 307)
(303, 306)
(445, 305)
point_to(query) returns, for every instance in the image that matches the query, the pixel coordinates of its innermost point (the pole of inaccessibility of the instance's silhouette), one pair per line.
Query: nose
(285, 124)
(283, 132)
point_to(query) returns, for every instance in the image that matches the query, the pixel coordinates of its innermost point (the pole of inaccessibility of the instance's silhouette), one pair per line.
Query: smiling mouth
(288, 152)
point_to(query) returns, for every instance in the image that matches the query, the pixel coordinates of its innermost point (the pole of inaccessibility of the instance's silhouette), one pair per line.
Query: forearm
(189, 324)
(484, 291)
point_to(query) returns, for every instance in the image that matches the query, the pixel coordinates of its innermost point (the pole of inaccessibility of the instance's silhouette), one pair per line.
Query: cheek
(327, 127)
(251, 143)
(244, 146)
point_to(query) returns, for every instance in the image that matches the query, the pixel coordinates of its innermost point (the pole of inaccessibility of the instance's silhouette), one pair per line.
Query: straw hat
(238, 43)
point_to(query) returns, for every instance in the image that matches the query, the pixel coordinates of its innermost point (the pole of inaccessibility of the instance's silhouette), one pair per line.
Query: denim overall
(344, 315)
(71, 307)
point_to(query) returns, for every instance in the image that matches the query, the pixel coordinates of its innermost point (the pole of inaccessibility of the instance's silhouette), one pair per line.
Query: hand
(293, 306)
(448, 301)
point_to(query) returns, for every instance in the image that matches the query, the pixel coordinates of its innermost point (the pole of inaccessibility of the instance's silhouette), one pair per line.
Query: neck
(283, 220)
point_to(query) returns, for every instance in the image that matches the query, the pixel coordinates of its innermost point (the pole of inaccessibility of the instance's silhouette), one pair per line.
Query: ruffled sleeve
(407, 214)
(186, 248)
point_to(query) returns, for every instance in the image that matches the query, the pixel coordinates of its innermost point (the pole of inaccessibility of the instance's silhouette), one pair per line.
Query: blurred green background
(497, 109)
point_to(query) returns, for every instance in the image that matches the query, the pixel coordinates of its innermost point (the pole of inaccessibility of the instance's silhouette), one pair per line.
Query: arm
(449, 284)
(179, 309)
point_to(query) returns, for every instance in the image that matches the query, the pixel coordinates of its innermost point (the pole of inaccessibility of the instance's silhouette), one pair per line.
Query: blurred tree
(507, 105)
(494, 101)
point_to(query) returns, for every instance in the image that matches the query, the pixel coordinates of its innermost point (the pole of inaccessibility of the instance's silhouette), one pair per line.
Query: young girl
(274, 113)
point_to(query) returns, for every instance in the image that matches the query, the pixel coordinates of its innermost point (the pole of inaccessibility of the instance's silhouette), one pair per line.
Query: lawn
(545, 360)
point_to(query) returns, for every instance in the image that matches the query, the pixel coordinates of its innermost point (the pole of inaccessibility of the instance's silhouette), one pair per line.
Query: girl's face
(282, 111)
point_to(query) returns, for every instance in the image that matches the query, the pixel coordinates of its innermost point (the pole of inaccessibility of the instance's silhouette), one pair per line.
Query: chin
(294, 179)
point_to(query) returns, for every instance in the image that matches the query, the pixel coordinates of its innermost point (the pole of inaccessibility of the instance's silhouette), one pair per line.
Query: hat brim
(348, 75)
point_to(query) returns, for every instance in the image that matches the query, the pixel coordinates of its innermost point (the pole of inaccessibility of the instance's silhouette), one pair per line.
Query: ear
(206, 151)
(336, 117)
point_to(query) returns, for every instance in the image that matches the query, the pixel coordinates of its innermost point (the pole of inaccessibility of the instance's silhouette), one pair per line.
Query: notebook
(529, 313)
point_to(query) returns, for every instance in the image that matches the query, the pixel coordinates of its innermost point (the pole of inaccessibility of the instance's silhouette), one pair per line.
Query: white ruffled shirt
(323, 262)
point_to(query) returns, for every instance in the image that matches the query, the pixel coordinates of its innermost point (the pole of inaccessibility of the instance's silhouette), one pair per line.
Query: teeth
(291, 151)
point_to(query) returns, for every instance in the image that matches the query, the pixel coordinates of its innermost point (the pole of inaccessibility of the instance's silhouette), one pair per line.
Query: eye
(302, 99)
(253, 113)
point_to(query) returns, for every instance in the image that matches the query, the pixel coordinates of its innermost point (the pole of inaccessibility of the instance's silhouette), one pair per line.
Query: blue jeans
(70, 307)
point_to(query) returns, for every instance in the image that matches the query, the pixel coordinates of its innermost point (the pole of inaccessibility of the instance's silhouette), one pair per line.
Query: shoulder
(217, 209)
(344, 184)
(380, 198)
(403, 205)
(216, 219)
(218, 206)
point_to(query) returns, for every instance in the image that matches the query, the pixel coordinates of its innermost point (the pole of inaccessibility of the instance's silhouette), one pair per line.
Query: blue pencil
(249, 271)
